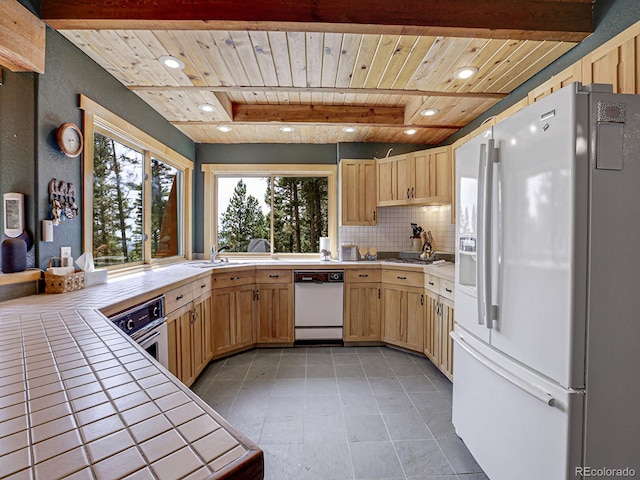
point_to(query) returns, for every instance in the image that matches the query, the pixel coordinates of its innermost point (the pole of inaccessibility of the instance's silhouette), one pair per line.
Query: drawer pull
(449, 290)
(431, 283)
(274, 276)
(363, 275)
(180, 297)
(402, 278)
(203, 285)
(235, 278)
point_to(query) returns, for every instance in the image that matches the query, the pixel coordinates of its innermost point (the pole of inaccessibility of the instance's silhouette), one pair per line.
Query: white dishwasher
(318, 306)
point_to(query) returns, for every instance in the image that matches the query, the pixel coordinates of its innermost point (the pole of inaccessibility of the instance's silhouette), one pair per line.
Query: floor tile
(459, 457)
(321, 386)
(282, 430)
(316, 467)
(407, 427)
(324, 429)
(322, 405)
(354, 386)
(366, 428)
(291, 371)
(420, 457)
(375, 460)
(289, 386)
(395, 403)
(359, 405)
(282, 462)
(285, 406)
(416, 384)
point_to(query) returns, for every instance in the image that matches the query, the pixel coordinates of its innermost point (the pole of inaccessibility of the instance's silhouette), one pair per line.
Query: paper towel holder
(325, 249)
(47, 230)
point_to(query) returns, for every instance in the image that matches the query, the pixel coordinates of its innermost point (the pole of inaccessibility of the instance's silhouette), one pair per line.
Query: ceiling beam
(558, 20)
(197, 123)
(22, 38)
(326, 114)
(331, 90)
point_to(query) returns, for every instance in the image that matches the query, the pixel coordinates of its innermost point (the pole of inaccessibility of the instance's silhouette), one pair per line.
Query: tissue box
(96, 277)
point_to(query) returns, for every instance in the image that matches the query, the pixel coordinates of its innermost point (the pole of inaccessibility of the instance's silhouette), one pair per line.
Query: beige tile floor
(332, 413)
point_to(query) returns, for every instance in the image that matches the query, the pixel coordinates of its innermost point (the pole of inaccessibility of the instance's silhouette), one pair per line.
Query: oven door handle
(144, 342)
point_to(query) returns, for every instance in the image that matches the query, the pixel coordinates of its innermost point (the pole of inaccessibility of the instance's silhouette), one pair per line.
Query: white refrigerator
(547, 342)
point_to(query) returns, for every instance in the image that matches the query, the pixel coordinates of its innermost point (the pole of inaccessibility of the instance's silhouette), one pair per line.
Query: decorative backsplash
(394, 229)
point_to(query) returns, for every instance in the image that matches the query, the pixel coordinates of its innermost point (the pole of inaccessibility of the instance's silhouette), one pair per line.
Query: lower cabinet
(439, 322)
(274, 313)
(362, 312)
(233, 318)
(189, 338)
(403, 313)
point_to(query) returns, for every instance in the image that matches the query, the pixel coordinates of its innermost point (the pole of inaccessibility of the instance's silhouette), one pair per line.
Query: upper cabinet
(359, 201)
(417, 178)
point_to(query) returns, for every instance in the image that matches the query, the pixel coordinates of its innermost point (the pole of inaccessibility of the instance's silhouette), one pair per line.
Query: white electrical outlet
(65, 257)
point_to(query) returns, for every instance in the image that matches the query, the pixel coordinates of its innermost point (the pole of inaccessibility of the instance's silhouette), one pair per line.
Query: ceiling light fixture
(411, 131)
(429, 112)
(465, 73)
(224, 128)
(286, 129)
(349, 129)
(206, 107)
(171, 62)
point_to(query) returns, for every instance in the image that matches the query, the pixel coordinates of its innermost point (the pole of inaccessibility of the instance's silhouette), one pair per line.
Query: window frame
(98, 119)
(213, 171)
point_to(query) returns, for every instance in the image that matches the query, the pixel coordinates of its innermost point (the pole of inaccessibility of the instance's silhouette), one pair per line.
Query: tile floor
(333, 413)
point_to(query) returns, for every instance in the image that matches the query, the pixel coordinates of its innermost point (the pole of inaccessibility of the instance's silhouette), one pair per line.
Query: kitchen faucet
(215, 251)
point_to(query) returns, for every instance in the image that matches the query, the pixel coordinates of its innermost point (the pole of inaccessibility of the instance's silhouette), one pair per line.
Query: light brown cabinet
(233, 314)
(417, 178)
(362, 305)
(358, 192)
(439, 322)
(189, 327)
(274, 313)
(403, 311)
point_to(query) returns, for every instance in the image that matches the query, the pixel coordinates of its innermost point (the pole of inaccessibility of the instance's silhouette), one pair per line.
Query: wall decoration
(62, 196)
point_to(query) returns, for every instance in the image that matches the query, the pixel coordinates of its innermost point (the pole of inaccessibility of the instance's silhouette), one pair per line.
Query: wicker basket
(62, 283)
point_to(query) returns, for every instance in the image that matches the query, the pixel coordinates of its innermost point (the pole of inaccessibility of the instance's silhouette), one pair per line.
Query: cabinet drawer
(403, 277)
(232, 278)
(201, 286)
(447, 289)
(363, 275)
(275, 275)
(432, 283)
(177, 297)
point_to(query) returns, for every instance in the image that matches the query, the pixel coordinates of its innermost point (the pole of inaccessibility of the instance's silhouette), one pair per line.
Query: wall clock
(69, 139)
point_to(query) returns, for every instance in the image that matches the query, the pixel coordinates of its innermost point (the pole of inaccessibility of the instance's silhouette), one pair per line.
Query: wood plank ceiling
(259, 77)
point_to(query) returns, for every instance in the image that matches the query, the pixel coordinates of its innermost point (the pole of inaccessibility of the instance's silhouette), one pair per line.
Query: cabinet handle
(449, 290)
(378, 294)
(235, 278)
(431, 283)
(374, 215)
(422, 299)
(408, 190)
(203, 285)
(412, 193)
(194, 315)
(402, 278)
(180, 297)
(363, 275)
(274, 276)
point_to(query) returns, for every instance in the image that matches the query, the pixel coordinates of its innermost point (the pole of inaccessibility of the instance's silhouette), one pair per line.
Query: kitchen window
(137, 207)
(270, 209)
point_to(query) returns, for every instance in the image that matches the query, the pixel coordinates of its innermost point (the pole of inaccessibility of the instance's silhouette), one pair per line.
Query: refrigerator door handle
(480, 261)
(516, 381)
(487, 238)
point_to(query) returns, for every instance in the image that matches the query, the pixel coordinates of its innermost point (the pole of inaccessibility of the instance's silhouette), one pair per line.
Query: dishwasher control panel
(318, 276)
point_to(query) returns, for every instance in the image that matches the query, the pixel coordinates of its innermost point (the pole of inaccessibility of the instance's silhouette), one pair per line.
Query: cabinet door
(431, 322)
(420, 191)
(202, 338)
(447, 321)
(362, 312)
(393, 313)
(275, 314)
(405, 180)
(223, 313)
(173, 341)
(387, 179)
(413, 332)
(244, 318)
(359, 199)
(186, 370)
(439, 176)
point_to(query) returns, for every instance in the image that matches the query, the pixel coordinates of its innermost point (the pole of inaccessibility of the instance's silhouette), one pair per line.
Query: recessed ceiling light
(411, 131)
(224, 128)
(171, 62)
(465, 72)
(206, 107)
(429, 112)
(349, 129)
(286, 129)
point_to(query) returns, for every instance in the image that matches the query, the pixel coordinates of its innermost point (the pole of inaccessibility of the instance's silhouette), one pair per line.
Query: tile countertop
(79, 399)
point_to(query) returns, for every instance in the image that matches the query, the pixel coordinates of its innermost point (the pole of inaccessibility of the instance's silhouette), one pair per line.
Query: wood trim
(212, 171)
(87, 179)
(536, 20)
(318, 114)
(22, 38)
(146, 206)
(332, 90)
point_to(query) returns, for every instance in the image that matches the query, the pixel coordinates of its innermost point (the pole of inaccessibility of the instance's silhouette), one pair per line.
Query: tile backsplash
(394, 229)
